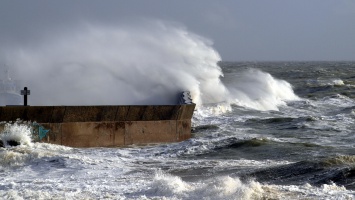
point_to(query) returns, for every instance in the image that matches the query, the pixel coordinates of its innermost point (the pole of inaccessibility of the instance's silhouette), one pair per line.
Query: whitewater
(262, 130)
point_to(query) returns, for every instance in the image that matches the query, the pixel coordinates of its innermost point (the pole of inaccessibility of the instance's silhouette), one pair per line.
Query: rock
(10, 143)
(13, 143)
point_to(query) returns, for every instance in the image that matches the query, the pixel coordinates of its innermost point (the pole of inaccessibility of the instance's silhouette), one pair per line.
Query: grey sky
(249, 30)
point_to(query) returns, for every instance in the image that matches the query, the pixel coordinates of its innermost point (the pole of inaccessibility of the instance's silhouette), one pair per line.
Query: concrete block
(186, 111)
(150, 113)
(77, 134)
(39, 113)
(54, 136)
(58, 114)
(183, 129)
(107, 126)
(108, 113)
(168, 112)
(135, 113)
(92, 134)
(146, 132)
(13, 113)
(119, 134)
(82, 114)
(121, 113)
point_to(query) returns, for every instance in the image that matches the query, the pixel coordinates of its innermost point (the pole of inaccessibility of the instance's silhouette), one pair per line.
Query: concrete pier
(107, 126)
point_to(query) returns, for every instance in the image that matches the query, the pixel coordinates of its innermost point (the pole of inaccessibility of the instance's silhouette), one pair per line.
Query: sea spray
(148, 62)
(222, 187)
(250, 88)
(137, 63)
(18, 132)
(259, 90)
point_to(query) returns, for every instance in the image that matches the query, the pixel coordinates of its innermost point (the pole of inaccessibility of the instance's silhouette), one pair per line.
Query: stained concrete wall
(107, 126)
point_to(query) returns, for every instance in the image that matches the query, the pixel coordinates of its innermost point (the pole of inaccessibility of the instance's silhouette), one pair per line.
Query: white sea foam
(337, 82)
(41, 171)
(224, 187)
(259, 90)
(307, 191)
(19, 132)
(25, 154)
(325, 82)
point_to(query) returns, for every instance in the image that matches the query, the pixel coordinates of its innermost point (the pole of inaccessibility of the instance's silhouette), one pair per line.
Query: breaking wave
(148, 62)
(173, 187)
(259, 90)
(18, 132)
(137, 63)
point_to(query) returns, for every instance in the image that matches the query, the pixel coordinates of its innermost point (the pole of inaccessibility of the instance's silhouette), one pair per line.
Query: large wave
(141, 63)
(259, 90)
(149, 62)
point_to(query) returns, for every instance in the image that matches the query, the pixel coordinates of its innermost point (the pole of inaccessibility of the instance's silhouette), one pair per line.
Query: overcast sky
(249, 30)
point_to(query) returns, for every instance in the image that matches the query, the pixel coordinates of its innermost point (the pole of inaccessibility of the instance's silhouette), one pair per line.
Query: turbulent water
(286, 132)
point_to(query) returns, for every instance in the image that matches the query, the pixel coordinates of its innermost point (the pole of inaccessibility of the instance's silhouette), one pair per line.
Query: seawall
(107, 126)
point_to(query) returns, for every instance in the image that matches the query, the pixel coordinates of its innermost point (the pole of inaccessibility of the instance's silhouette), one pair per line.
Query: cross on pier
(25, 92)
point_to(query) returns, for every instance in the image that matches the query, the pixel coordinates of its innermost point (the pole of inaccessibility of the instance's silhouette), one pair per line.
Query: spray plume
(259, 90)
(149, 63)
(136, 63)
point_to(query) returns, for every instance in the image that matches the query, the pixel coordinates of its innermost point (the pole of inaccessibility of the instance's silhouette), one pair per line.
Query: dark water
(314, 137)
(316, 134)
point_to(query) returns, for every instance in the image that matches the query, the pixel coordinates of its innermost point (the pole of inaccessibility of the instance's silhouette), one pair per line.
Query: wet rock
(13, 143)
(9, 143)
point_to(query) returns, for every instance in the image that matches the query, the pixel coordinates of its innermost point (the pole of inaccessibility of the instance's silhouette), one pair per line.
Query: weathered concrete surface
(107, 126)
(59, 114)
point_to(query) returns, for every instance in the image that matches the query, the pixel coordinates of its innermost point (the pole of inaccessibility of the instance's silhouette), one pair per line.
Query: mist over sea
(261, 130)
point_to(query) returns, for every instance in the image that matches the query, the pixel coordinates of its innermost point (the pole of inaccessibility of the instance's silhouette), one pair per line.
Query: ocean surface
(287, 132)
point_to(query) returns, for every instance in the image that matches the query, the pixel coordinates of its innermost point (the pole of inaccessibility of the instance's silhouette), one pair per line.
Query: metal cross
(25, 92)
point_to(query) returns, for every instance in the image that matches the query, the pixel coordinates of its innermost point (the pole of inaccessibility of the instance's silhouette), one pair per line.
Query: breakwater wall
(107, 126)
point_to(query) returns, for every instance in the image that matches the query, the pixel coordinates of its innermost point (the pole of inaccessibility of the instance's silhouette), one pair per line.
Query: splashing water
(137, 63)
(19, 132)
(165, 185)
(259, 90)
(131, 64)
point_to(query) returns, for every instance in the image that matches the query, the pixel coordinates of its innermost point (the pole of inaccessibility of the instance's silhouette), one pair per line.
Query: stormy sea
(261, 130)
(257, 148)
